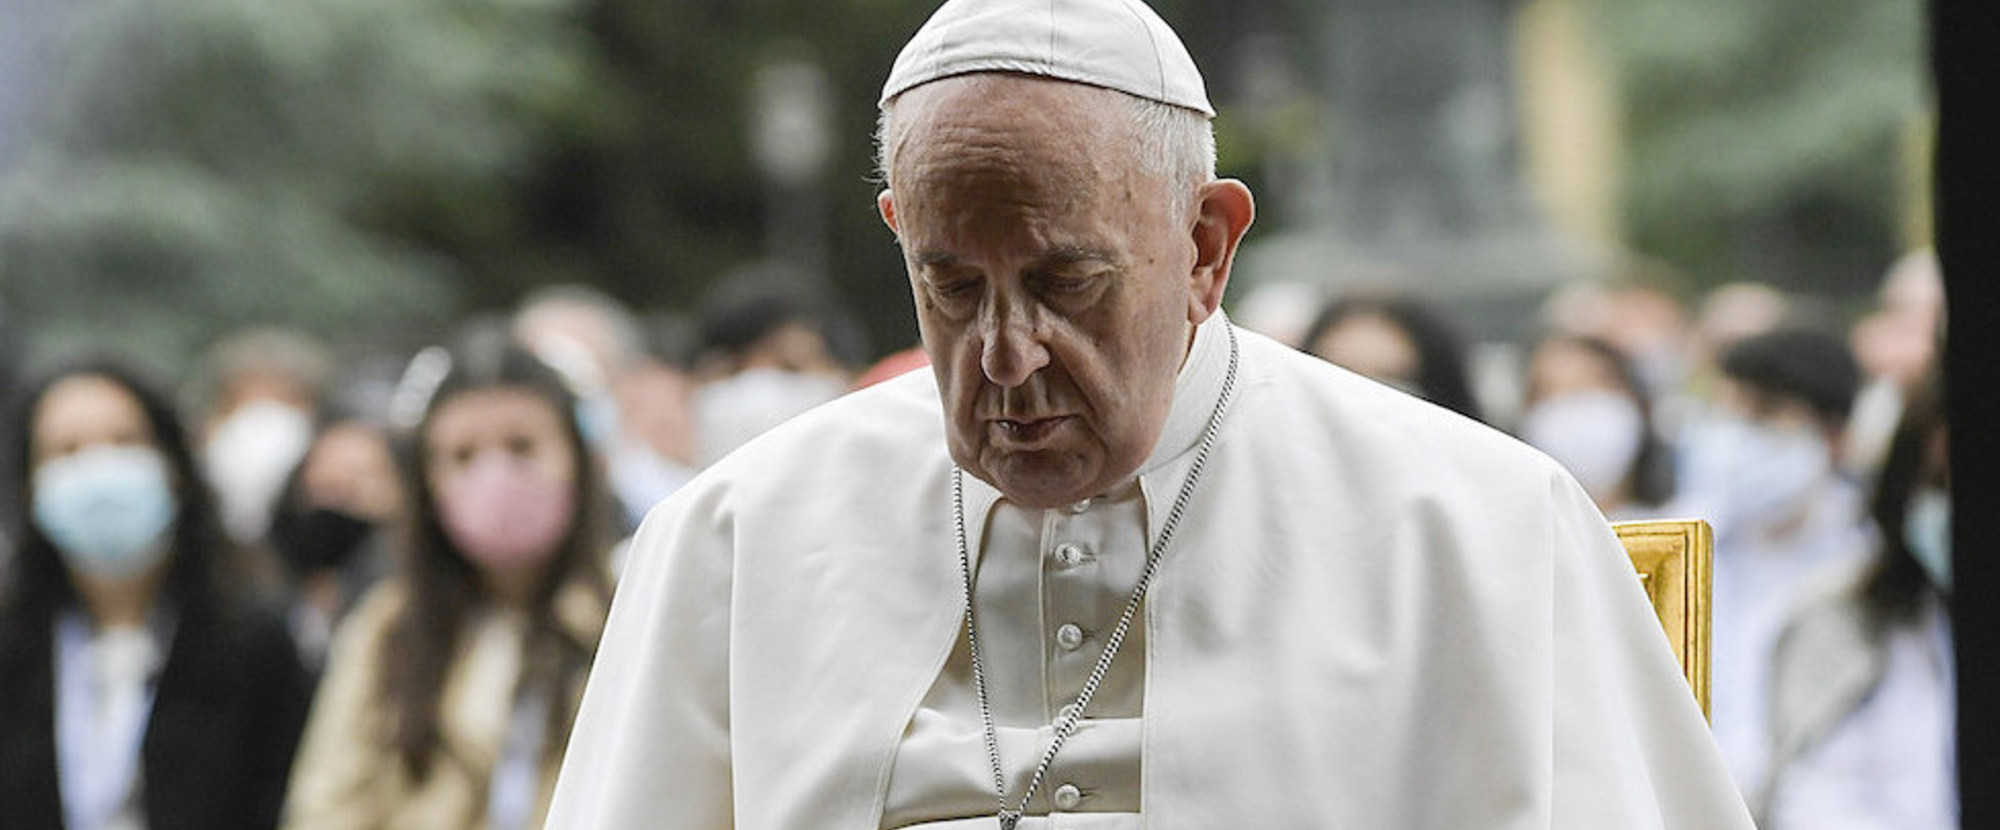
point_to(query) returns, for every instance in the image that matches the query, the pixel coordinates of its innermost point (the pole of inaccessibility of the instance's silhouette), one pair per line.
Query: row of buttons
(1070, 637)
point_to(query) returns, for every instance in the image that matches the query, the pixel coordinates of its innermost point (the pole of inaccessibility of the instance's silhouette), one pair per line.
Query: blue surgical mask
(1927, 533)
(106, 509)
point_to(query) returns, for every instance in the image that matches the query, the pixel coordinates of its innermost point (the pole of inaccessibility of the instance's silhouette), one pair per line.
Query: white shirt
(1376, 614)
(1758, 579)
(1871, 745)
(105, 683)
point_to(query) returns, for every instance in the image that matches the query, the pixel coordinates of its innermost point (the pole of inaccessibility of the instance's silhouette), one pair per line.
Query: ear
(885, 203)
(1223, 213)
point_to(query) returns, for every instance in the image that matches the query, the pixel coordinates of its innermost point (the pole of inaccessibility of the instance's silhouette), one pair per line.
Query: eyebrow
(1059, 255)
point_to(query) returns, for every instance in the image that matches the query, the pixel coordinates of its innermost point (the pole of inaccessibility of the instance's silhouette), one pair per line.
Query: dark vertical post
(1968, 232)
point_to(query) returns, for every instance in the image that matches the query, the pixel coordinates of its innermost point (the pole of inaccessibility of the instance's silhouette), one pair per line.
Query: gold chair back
(1675, 561)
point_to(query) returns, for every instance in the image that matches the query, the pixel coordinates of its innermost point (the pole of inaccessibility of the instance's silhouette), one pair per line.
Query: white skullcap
(1116, 44)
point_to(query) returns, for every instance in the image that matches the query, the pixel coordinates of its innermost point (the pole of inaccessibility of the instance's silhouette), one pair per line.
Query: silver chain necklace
(1067, 719)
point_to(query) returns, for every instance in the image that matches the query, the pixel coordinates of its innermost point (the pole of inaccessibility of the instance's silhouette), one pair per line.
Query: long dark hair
(199, 578)
(444, 588)
(1895, 588)
(1441, 369)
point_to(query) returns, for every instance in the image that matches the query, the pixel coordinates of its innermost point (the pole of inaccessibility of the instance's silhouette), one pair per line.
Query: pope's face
(1055, 287)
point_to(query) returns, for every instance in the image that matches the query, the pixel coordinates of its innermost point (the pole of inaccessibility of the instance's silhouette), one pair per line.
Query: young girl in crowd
(1862, 697)
(449, 690)
(137, 689)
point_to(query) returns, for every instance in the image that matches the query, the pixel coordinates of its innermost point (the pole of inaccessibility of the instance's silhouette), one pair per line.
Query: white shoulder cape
(1377, 615)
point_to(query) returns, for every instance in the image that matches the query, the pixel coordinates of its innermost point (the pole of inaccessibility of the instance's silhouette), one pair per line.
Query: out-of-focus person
(1281, 309)
(657, 450)
(1396, 340)
(449, 690)
(1644, 319)
(334, 527)
(1725, 316)
(1760, 468)
(1587, 407)
(139, 688)
(1894, 344)
(1863, 703)
(765, 358)
(258, 389)
(635, 407)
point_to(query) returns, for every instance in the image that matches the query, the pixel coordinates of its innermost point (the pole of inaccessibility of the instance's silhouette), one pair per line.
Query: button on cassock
(1069, 636)
(1068, 797)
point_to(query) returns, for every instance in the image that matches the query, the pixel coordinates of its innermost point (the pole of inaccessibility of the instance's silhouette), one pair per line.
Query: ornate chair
(1675, 560)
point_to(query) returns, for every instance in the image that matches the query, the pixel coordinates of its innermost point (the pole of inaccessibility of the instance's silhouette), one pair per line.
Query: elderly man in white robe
(1112, 562)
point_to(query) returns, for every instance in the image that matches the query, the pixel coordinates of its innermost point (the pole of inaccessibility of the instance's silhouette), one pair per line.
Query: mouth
(1026, 430)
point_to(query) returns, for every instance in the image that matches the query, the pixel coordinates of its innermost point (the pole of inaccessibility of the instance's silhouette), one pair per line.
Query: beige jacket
(346, 775)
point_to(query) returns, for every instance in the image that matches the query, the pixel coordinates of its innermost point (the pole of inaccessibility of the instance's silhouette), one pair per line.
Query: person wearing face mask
(262, 386)
(138, 687)
(1587, 409)
(1863, 709)
(332, 526)
(449, 689)
(766, 356)
(1761, 469)
(1396, 340)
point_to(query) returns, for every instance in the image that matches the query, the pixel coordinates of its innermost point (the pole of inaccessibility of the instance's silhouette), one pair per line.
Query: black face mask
(318, 539)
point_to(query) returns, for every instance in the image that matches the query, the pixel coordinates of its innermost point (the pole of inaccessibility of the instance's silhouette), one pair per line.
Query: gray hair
(1175, 145)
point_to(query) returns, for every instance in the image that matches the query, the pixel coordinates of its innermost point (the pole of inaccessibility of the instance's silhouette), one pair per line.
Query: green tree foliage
(1765, 140)
(209, 163)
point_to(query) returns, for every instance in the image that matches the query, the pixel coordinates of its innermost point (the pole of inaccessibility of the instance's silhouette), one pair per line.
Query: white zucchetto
(1116, 44)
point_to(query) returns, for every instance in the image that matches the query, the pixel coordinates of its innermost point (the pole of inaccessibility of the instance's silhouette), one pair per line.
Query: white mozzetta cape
(1376, 615)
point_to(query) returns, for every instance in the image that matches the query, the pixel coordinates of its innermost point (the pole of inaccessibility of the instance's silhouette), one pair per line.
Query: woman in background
(1586, 408)
(1398, 341)
(449, 690)
(333, 525)
(137, 688)
(1863, 711)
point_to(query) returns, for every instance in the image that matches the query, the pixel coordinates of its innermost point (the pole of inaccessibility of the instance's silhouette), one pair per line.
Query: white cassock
(1375, 615)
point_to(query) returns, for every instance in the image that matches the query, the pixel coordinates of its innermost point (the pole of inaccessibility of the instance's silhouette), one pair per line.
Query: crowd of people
(1816, 451)
(367, 593)
(370, 599)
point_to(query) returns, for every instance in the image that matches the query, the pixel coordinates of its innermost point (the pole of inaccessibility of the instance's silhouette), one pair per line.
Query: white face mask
(248, 458)
(732, 411)
(1595, 435)
(1752, 475)
(1927, 534)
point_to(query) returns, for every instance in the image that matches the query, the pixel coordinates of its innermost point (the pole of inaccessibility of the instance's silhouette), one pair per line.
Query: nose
(1014, 349)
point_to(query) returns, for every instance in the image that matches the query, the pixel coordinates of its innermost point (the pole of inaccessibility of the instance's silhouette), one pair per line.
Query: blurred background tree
(381, 168)
(1772, 140)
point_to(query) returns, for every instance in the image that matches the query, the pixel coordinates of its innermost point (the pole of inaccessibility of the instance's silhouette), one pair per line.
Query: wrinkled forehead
(1000, 128)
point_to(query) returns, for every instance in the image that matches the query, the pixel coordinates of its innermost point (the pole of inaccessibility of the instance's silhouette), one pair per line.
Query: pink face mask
(503, 514)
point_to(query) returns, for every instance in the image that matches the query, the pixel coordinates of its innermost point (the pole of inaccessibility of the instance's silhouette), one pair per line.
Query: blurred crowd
(1816, 449)
(310, 585)
(364, 589)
